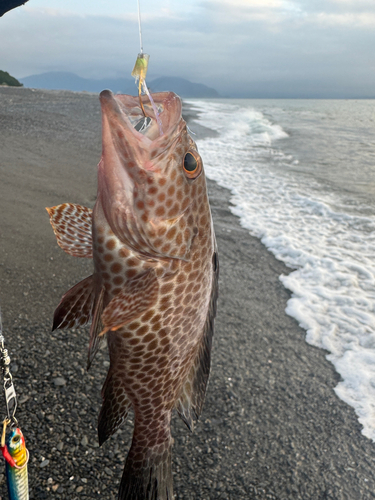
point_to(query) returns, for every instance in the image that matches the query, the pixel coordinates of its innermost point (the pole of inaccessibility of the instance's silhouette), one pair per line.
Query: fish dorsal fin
(137, 296)
(76, 306)
(115, 406)
(96, 328)
(190, 403)
(72, 224)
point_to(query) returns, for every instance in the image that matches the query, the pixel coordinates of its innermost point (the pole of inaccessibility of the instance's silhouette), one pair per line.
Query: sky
(242, 48)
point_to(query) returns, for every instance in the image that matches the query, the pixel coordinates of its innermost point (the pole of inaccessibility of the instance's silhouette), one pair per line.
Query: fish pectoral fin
(137, 296)
(96, 327)
(72, 224)
(115, 407)
(190, 402)
(76, 306)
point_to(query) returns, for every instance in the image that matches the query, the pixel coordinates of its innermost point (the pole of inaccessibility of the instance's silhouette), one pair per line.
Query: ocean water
(302, 175)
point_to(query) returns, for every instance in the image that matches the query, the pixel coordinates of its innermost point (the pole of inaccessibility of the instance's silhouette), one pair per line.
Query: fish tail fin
(148, 473)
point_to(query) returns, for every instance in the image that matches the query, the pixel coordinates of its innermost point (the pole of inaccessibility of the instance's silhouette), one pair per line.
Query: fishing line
(140, 26)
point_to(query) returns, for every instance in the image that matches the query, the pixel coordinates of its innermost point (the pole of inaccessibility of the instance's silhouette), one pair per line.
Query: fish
(16, 456)
(154, 288)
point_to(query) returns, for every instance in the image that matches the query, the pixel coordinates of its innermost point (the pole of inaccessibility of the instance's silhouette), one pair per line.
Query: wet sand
(272, 426)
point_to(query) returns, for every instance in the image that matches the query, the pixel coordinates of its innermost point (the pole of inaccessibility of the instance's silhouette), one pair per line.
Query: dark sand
(272, 426)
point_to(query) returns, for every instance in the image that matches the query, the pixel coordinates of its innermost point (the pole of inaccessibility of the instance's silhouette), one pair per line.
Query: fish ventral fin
(72, 224)
(115, 407)
(137, 296)
(190, 403)
(76, 306)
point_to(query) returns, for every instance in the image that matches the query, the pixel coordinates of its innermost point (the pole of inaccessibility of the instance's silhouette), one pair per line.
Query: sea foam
(331, 252)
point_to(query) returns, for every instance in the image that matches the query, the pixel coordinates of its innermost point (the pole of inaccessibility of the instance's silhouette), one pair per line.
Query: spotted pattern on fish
(71, 224)
(115, 408)
(154, 286)
(139, 295)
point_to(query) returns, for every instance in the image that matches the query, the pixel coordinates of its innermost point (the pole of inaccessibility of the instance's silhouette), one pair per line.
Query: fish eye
(192, 165)
(16, 439)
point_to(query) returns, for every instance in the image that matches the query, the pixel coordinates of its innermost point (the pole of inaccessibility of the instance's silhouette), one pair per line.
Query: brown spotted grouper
(154, 287)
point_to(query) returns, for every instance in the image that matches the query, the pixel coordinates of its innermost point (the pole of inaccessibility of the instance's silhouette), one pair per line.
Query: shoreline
(272, 426)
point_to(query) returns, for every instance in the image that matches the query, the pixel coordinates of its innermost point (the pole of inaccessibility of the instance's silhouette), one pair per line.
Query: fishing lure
(16, 456)
(13, 446)
(139, 73)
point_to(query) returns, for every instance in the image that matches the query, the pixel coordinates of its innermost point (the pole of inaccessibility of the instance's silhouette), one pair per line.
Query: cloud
(364, 5)
(250, 4)
(357, 19)
(270, 11)
(332, 12)
(349, 12)
(236, 46)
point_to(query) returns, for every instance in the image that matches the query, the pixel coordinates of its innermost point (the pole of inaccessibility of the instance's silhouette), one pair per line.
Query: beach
(272, 426)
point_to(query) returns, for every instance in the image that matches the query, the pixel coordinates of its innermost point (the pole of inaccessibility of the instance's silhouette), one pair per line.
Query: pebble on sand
(59, 381)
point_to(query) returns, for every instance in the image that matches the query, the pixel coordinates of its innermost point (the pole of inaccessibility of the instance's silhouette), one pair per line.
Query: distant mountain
(59, 80)
(7, 79)
(182, 87)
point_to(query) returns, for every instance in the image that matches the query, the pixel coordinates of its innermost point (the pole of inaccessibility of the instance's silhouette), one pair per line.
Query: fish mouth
(125, 112)
(131, 145)
(135, 136)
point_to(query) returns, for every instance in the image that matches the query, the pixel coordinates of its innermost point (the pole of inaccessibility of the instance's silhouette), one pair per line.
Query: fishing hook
(140, 97)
